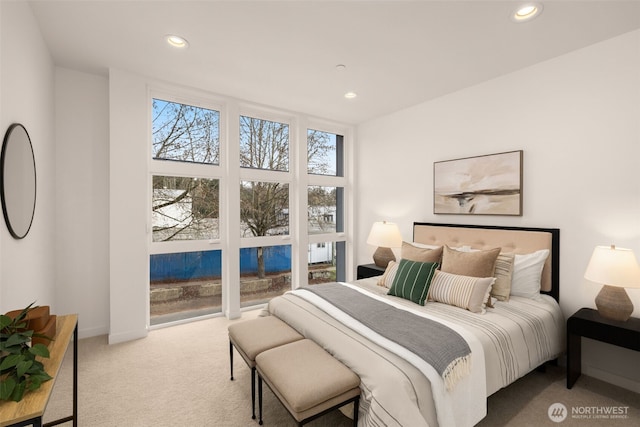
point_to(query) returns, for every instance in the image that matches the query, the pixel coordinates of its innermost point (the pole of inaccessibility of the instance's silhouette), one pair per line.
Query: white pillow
(527, 273)
(424, 245)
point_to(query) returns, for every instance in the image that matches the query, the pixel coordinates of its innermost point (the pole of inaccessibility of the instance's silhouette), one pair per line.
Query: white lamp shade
(385, 234)
(613, 266)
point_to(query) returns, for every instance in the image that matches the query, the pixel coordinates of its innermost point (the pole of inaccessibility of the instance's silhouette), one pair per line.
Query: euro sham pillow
(420, 253)
(473, 264)
(412, 280)
(527, 274)
(470, 293)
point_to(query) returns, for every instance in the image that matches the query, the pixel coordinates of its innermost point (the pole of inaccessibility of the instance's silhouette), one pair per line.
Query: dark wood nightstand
(369, 270)
(586, 322)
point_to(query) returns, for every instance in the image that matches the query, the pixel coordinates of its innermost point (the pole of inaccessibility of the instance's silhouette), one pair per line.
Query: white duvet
(506, 343)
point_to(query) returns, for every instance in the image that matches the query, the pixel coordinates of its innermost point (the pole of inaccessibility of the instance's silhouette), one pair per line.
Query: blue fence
(204, 265)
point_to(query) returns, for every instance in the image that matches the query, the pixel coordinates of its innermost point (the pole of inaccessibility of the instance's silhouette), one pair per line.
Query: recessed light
(526, 12)
(176, 41)
(350, 95)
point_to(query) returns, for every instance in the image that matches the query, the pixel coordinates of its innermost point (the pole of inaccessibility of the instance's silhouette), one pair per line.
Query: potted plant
(20, 371)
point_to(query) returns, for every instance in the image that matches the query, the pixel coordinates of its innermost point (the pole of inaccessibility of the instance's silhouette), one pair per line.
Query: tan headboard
(517, 240)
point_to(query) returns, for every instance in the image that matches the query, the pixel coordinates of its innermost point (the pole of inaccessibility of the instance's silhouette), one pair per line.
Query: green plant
(19, 369)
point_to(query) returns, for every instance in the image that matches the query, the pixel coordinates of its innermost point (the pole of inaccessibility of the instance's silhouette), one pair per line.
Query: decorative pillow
(503, 274)
(412, 280)
(470, 293)
(420, 253)
(527, 273)
(473, 264)
(389, 274)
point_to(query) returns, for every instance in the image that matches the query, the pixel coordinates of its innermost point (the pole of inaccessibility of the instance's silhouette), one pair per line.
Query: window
(185, 206)
(264, 144)
(184, 285)
(265, 272)
(185, 133)
(322, 209)
(264, 208)
(324, 153)
(325, 207)
(228, 220)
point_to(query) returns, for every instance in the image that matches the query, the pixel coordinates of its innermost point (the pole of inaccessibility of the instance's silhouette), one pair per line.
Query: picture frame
(482, 185)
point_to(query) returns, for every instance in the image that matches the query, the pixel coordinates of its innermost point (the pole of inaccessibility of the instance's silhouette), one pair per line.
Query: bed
(504, 339)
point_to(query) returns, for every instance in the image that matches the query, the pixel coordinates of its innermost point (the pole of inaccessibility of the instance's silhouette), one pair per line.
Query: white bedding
(507, 342)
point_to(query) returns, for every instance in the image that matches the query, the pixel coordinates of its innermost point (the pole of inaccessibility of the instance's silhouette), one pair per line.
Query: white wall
(82, 198)
(27, 268)
(128, 252)
(575, 117)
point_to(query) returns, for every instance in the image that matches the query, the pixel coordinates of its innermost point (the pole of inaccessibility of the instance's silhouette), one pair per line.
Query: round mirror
(18, 185)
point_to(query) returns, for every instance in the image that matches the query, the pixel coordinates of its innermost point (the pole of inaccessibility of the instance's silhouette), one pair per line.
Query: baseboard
(127, 336)
(611, 378)
(92, 332)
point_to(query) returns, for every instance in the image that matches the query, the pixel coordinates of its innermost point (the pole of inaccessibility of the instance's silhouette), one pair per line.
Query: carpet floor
(179, 376)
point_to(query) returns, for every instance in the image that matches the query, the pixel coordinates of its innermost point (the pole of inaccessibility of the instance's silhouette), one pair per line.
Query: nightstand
(369, 270)
(587, 323)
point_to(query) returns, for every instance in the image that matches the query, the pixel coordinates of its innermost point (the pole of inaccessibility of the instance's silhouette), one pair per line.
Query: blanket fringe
(456, 370)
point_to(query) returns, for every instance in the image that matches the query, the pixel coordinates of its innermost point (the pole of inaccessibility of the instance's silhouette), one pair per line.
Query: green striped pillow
(412, 280)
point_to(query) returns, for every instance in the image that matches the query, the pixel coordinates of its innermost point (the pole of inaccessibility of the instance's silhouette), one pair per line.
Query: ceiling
(284, 53)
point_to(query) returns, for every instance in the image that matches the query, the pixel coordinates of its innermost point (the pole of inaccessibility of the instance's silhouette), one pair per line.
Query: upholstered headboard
(518, 240)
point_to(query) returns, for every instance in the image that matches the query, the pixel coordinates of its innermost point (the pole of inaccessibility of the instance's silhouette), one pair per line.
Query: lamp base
(614, 303)
(382, 256)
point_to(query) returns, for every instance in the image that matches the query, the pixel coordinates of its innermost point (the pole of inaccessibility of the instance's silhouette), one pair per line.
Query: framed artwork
(482, 185)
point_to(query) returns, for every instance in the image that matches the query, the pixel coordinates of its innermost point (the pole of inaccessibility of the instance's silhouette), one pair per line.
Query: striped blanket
(438, 345)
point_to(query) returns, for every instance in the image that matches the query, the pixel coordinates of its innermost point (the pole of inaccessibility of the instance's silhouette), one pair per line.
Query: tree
(318, 148)
(185, 133)
(264, 206)
(184, 207)
(322, 205)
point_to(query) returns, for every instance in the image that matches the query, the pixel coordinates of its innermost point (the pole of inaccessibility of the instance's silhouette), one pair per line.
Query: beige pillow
(421, 254)
(504, 270)
(473, 264)
(466, 292)
(389, 274)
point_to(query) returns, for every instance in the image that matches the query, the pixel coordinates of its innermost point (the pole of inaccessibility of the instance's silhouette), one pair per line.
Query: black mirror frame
(7, 220)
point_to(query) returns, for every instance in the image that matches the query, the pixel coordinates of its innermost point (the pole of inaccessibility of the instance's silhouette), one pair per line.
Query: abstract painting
(482, 185)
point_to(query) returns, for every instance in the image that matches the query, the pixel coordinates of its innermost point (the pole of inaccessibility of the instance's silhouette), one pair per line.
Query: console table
(29, 411)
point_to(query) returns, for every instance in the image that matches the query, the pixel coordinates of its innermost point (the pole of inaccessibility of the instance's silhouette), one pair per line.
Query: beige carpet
(179, 376)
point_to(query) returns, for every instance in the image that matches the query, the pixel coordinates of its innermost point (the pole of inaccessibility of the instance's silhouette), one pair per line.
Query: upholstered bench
(307, 380)
(251, 337)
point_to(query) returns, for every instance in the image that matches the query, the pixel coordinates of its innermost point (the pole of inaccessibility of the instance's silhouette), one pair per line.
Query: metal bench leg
(253, 394)
(231, 358)
(260, 398)
(356, 409)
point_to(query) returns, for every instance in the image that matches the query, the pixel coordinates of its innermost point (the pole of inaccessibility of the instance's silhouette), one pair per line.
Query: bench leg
(231, 358)
(253, 394)
(260, 398)
(356, 409)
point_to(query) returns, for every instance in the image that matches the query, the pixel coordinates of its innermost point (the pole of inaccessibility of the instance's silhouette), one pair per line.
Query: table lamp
(384, 235)
(616, 269)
